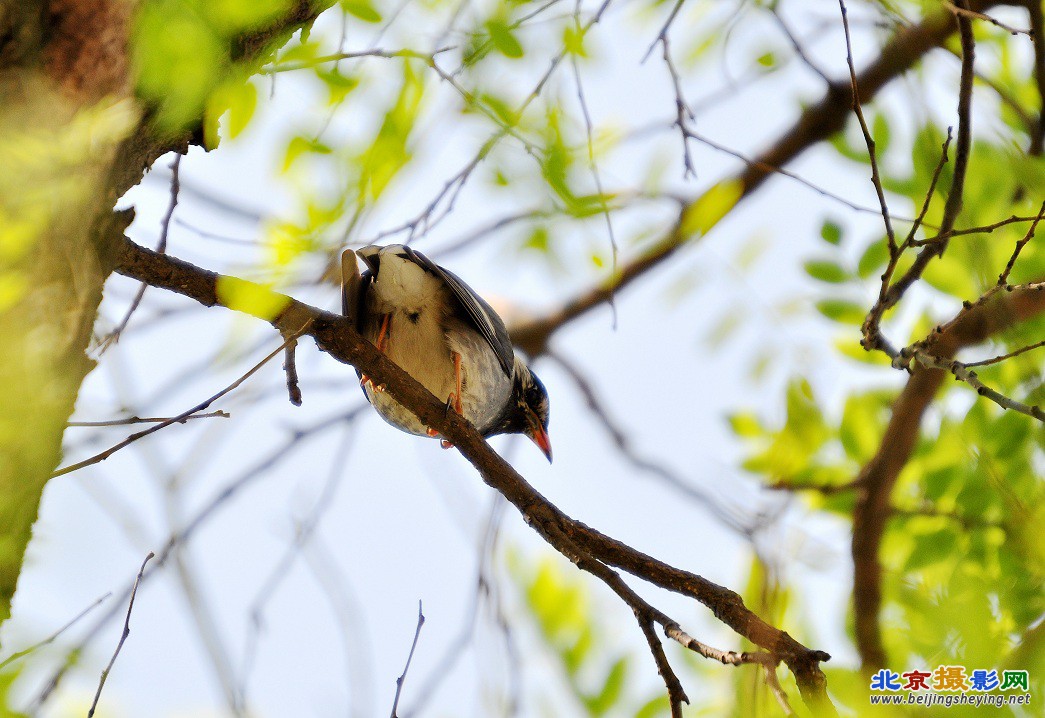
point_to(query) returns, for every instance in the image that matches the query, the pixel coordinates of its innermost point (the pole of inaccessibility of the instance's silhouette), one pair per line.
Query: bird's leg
(454, 400)
(382, 346)
(455, 397)
(382, 336)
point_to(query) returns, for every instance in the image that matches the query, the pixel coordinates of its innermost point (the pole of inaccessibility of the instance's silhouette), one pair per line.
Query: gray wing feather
(353, 291)
(481, 314)
(351, 283)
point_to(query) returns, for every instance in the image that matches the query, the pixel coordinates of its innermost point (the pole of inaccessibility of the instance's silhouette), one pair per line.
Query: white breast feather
(403, 285)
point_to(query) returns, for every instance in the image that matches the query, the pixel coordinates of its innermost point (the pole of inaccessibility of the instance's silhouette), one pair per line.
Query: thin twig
(777, 690)
(963, 148)
(50, 639)
(727, 658)
(871, 329)
(181, 537)
(593, 165)
(890, 294)
(965, 12)
(102, 456)
(410, 656)
(774, 10)
(447, 196)
(150, 419)
(123, 636)
(161, 247)
(291, 368)
(876, 178)
(737, 520)
(676, 693)
(793, 175)
(826, 489)
(963, 373)
(338, 56)
(982, 229)
(1003, 357)
(1004, 276)
(683, 112)
(929, 193)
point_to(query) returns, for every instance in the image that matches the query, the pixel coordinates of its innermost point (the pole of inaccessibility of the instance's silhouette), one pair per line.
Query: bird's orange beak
(540, 437)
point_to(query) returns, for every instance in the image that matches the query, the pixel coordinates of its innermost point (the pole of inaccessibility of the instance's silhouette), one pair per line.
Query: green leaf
(573, 41)
(612, 687)
(299, 146)
(842, 310)
(389, 152)
(242, 99)
(655, 707)
(502, 38)
(338, 85)
(746, 424)
(860, 428)
(361, 9)
(180, 59)
(711, 207)
(874, 258)
(831, 232)
(930, 548)
(237, 16)
(501, 108)
(881, 133)
(766, 59)
(826, 271)
(538, 239)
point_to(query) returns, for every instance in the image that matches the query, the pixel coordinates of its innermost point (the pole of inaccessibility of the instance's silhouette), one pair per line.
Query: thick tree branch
(588, 548)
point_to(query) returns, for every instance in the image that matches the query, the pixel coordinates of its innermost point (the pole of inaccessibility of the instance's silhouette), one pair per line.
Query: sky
(330, 550)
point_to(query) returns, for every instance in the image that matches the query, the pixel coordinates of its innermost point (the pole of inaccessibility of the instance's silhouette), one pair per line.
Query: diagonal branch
(590, 549)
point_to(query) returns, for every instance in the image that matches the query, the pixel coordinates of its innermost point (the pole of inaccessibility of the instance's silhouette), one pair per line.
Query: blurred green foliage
(963, 557)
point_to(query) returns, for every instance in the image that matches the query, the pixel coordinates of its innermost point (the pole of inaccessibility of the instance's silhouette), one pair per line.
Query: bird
(439, 330)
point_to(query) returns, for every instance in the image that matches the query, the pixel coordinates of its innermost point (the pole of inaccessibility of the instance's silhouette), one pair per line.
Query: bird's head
(531, 408)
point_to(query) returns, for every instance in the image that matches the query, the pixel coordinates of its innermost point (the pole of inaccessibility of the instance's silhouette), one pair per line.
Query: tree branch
(588, 548)
(878, 477)
(817, 123)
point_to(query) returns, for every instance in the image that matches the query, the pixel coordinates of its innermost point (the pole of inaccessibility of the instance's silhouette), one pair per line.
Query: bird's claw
(454, 402)
(442, 442)
(365, 381)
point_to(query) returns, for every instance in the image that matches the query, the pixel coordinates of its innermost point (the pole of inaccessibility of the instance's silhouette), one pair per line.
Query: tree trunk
(73, 139)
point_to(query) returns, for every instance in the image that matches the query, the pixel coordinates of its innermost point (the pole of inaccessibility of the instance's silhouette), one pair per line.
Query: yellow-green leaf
(254, 299)
(826, 271)
(361, 9)
(711, 207)
(502, 38)
(842, 310)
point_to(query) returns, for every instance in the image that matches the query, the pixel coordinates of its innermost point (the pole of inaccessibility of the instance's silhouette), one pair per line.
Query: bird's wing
(479, 313)
(351, 287)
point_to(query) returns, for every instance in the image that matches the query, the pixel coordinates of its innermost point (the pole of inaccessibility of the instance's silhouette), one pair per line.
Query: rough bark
(73, 139)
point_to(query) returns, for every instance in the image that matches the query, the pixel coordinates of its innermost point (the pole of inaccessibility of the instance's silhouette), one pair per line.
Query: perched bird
(434, 326)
